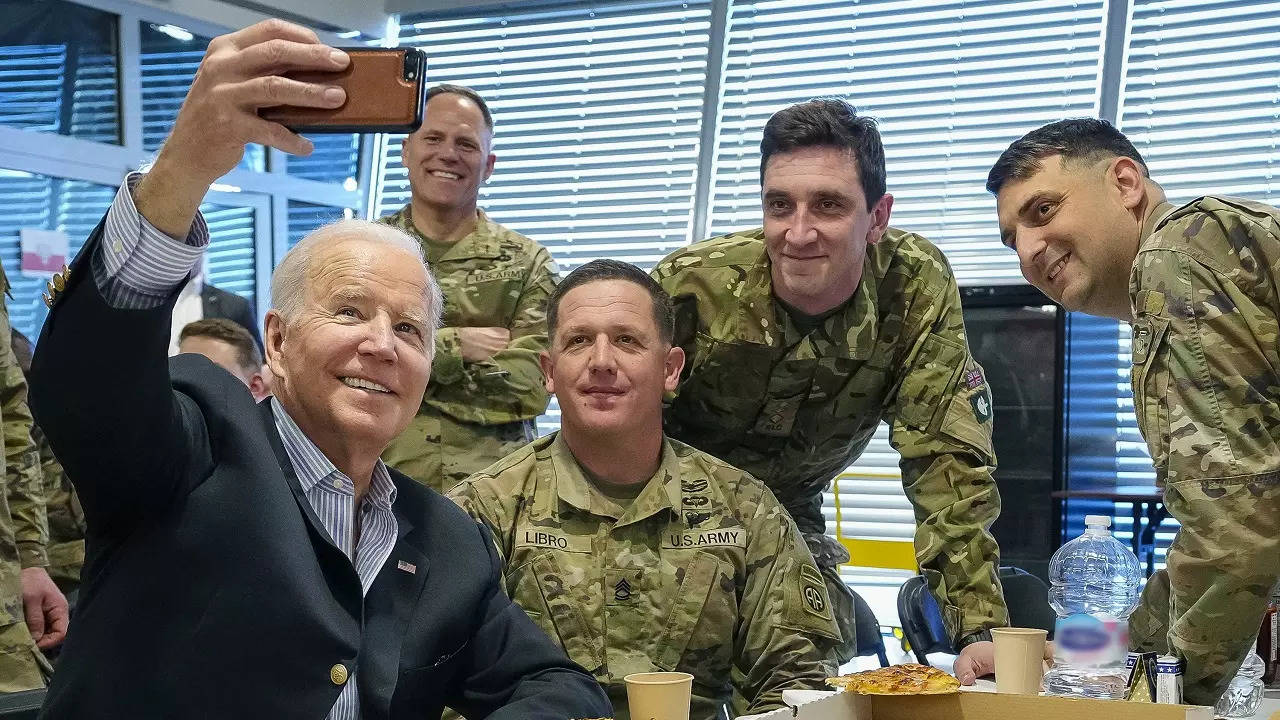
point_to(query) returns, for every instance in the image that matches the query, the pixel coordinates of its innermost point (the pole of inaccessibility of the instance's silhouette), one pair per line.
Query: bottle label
(1084, 640)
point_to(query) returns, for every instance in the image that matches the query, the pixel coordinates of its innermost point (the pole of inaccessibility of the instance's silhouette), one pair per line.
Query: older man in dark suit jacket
(259, 561)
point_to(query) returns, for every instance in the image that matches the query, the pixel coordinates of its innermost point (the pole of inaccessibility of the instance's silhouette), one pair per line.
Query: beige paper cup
(1019, 660)
(659, 695)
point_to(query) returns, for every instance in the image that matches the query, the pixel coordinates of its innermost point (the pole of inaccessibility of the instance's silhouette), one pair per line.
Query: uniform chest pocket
(723, 395)
(480, 298)
(548, 593)
(699, 627)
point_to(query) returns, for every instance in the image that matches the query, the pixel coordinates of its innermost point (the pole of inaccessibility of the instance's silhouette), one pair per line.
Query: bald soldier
(1199, 284)
(637, 552)
(485, 389)
(803, 335)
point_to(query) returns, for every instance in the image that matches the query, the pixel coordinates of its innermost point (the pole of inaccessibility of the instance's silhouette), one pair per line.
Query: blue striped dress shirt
(138, 267)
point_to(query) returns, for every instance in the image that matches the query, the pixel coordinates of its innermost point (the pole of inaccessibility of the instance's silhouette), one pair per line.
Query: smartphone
(385, 92)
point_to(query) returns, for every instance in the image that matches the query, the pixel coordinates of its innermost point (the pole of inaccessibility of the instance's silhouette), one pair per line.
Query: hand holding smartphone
(385, 89)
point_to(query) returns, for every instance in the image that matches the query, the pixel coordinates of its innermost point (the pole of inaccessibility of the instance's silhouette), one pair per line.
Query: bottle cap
(1101, 521)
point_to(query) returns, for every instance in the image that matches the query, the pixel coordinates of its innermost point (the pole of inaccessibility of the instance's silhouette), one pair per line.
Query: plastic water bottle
(1244, 694)
(1095, 584)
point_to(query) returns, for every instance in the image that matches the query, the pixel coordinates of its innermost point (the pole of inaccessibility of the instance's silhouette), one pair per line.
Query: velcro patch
(813, 592)
(725, 537)
(551, 539)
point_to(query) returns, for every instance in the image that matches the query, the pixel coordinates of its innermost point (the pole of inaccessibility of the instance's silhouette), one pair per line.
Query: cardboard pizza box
(978, 706)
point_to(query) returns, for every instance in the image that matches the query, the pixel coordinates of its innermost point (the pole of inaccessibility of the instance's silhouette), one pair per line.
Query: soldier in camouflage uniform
(486, 389)
(66, 516)
(803, 335)
(1199, 282)
(636, 552)
(25, 597)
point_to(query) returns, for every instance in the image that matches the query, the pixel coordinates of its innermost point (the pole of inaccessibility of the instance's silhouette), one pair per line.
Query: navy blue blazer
(210, 588)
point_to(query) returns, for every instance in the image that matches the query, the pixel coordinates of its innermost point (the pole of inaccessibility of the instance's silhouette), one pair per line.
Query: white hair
(289, 281)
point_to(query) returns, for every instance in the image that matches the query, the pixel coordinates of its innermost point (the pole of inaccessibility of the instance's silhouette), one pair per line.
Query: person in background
(258, 560)
(485, 389)
(230, 347)
(637, 552)
(802, 336)
(1200, 285)
(199, 300)
(33, 611)
(62, 505)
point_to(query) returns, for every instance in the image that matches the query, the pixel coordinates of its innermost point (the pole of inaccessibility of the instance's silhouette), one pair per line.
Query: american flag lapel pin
(407, 567)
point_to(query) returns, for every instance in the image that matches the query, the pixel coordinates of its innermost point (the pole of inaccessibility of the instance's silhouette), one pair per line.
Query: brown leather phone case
(385, 90)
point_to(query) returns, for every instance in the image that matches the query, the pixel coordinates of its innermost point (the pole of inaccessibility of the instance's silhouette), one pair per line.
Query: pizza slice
(908, 679)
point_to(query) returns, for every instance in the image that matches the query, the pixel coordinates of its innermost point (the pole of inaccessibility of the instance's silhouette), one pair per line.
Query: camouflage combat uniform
(795, 410)
(66, 519)
(1206, 392)
(474, 414)
(702, 573)
(23, 528)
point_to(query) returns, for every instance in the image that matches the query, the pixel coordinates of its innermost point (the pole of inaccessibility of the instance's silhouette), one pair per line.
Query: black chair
(1026, 596)
(23, 705)
(869, 641)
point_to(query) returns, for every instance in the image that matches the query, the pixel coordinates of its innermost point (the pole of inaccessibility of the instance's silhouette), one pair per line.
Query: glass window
(305, 217)
(58, 70)
(336, 159)
(170, 56)
(230, 263)
(28, 200)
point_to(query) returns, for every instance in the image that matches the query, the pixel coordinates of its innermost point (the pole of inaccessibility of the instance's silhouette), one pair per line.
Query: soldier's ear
(1126, 176)
(880, 213)
(672, 369)
(548, 366)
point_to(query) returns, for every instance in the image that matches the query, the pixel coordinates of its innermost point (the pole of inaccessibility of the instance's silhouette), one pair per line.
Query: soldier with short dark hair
(1200, 284)
(486, 390)
(803, 335)
(634, 551)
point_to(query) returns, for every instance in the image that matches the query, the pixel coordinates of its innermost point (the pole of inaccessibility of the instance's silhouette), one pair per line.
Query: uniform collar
(661, 491)
(1157, 216)
(482, 242)
(850, 332)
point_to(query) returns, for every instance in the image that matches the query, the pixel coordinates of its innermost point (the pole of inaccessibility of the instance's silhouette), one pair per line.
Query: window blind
(597, 111)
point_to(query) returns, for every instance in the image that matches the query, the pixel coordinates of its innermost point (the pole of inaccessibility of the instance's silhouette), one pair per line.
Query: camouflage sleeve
(1203, 391)
(507, 387)
(24, 484)
(476, 496)
(786, 633)
(941, 427)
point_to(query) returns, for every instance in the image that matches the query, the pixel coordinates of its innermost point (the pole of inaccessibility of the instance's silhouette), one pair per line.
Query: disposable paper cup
(659, 695)
(1019, 660)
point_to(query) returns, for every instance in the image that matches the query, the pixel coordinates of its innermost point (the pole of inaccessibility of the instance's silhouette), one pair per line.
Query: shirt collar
(311, 465)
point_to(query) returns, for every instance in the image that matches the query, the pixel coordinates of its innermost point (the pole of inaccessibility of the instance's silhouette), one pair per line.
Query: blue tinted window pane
(336, 159)
(41, 202)
(58, 70)
(305, 217)
(170, 56)
(230, 261)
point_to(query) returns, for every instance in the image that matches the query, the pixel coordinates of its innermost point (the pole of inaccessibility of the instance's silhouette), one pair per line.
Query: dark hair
(604, 269)
(834, 123)
(231, 333)
(21, 349)
(1088, 139)
(467, 93)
